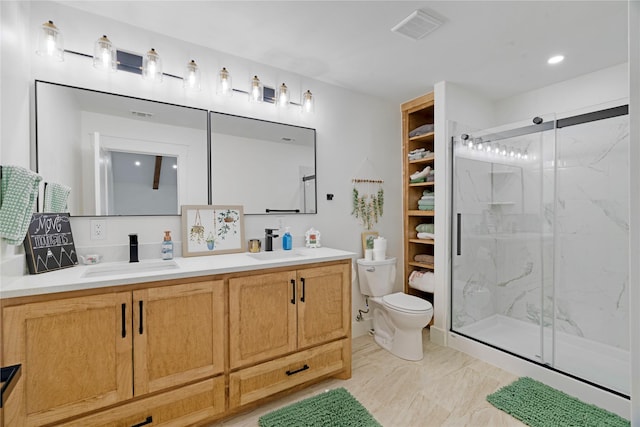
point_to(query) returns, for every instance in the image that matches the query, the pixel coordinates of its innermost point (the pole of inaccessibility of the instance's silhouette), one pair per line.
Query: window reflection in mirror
(264, 166)
(79, 129)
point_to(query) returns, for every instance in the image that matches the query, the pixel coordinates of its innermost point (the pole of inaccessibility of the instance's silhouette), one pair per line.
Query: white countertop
(82, 277)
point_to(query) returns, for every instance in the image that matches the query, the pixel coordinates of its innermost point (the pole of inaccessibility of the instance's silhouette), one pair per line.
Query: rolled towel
(426, 208)
(426, 202)
(426, 236)
(55, 197)
(425, 228)
(422, 280)
(17, 202)
(427, 259)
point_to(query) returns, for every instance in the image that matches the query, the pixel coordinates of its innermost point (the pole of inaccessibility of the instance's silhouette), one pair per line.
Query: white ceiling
(497, 48)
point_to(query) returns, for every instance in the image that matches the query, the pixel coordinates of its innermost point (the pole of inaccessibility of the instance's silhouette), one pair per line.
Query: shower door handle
(458, 236)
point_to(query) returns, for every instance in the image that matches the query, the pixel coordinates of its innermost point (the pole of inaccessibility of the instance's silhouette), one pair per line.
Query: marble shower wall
(592, 296)
(509, 265)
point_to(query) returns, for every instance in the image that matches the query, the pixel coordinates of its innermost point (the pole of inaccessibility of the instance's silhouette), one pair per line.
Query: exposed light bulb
(282, 99)
(255, 93)
(308, 102)
(224, 83)
(192, 76)
(104, 55)
(50, 43)
(152, 66)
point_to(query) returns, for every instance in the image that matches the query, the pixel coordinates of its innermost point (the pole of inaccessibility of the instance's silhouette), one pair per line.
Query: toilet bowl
(398, 318)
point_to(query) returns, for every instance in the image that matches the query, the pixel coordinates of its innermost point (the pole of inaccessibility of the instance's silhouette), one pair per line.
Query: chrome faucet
(268, 238)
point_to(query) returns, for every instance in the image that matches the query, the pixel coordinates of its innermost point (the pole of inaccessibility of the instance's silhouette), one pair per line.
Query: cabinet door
(75, 355)
(324, 304)
(262, 317)
(178, 334)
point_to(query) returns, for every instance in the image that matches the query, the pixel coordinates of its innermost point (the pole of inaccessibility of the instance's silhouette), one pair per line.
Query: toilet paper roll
(379, 255)
(380, 243)
(368, 254)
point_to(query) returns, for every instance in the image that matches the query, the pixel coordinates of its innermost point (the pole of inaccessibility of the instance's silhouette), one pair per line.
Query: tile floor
(446, 388)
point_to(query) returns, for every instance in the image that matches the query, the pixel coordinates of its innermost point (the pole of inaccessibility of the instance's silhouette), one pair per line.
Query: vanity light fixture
(224, 87)
(104, 55)
(307, 102)
(152, 66)
(282, 97)
(191, 78)
(255, 91)
(50, 41)
(555, 59)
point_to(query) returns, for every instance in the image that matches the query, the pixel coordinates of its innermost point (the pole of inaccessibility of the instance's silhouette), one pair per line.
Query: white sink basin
(274, 255)
(116, 268)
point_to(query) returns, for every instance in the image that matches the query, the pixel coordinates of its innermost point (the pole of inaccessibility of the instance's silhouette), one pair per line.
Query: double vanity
(180, 342)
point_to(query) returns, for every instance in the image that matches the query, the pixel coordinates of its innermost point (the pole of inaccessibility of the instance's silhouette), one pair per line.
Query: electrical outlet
(98, 229)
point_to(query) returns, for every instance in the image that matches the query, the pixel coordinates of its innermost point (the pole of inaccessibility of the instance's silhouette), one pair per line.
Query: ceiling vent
(141, 114)
(417, 25)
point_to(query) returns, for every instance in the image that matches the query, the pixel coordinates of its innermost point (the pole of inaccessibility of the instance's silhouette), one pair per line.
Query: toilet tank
(376, 278)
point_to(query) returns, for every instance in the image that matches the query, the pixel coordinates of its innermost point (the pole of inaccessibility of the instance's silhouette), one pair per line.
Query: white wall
(592, 89)
(350, 126)
(634, 185)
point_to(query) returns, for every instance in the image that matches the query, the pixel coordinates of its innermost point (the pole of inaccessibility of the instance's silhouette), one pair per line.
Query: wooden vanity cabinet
(296, 322)
(156, 353)
(80, 354)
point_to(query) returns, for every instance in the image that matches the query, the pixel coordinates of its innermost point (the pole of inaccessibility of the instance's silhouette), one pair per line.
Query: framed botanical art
(367, 240)
(212, 230)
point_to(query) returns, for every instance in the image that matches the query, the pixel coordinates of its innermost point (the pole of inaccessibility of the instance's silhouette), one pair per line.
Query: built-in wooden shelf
(421, 265)
(427, 159)
(415, 113)
(423, 241)
(424, 137)
(423, 184)
(417, 212)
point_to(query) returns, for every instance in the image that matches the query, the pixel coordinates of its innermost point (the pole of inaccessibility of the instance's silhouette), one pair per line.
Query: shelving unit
(415, 113)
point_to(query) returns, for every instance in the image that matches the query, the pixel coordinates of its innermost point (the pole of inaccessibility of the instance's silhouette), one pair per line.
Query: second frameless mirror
(267, 167)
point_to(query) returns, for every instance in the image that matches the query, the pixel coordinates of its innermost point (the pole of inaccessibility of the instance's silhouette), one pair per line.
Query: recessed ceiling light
(555, 59)
(137, 163)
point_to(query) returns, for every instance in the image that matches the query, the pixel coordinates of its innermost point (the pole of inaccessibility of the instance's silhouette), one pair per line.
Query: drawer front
(181, 407)
(257, 382)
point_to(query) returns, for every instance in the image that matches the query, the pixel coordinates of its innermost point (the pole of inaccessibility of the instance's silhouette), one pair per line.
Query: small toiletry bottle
(133, 248)
(167, 246)
(287, 241)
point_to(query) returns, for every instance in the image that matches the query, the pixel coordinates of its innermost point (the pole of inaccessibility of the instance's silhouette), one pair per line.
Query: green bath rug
(335, 408)
(539, 405)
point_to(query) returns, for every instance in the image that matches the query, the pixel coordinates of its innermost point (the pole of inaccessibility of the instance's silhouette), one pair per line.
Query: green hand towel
(18, 194)
(425, 208)
(425, 228)
(55, 197)
(415, 181)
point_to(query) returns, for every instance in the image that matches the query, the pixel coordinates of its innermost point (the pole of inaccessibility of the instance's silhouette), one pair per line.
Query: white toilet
(398, 318)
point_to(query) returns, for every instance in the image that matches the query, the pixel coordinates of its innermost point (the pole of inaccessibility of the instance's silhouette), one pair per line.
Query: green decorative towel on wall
(335, 408)
(55, 197)
(539, 405)
(18, 195)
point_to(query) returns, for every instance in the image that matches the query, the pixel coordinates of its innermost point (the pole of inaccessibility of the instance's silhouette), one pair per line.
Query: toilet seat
(406, 303)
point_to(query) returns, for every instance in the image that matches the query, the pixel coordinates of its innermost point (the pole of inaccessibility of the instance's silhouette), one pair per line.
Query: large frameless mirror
(120, 155)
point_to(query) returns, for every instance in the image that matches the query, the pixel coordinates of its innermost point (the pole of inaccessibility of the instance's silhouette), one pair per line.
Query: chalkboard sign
(49, 243)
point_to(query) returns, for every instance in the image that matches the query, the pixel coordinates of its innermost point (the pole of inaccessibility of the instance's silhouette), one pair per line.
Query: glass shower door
(502, 246)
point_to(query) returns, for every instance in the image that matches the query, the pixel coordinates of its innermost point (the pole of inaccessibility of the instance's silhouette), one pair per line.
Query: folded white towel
(422, 280)
(426, 236)
(421, 174)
